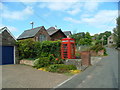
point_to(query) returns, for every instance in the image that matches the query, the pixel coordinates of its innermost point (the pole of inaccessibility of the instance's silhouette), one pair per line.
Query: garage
(7, 54)
(7, 47)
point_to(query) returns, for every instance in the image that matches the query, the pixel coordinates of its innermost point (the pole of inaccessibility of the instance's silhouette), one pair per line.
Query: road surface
(102, 75)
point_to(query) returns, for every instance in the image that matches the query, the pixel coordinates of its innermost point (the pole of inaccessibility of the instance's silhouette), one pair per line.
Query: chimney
(32, 23)
(55, 26)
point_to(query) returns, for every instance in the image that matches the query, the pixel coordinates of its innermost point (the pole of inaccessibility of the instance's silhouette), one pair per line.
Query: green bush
(54, 60)
(41, 62)
(61, 68)
(105, 52)
(32, 49)
(98, 48)
(46, 61)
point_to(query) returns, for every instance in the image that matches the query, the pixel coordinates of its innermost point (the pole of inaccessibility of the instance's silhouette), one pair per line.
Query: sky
(74, 15)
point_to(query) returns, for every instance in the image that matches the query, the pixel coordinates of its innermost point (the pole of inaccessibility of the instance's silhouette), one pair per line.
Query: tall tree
(117, 32)
(103, 36)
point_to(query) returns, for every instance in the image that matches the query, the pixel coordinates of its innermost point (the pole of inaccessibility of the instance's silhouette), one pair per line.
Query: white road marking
(64, 81)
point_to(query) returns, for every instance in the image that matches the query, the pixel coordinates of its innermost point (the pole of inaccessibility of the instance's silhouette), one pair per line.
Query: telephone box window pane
(71, 41)
(72, 50)
(65, 50)
(65, 41)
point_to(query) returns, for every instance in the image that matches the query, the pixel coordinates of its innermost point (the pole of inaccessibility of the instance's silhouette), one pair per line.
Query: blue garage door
(7, 54)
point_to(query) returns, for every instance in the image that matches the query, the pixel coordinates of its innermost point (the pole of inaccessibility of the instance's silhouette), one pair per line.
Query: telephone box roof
(68, 39)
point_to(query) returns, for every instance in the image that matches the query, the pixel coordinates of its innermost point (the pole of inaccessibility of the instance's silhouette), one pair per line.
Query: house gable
(58, 35)
(7, 39)
(42, 32)
(67, 33)
(55, 34)
(34, 34)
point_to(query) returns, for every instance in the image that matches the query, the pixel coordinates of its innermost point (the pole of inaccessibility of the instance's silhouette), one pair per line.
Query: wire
(110, 23)
(36, 14)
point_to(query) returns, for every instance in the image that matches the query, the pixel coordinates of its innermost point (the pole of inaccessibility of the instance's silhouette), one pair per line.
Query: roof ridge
(66, 31)
(3, 27)
(34, 28)
(51, 28)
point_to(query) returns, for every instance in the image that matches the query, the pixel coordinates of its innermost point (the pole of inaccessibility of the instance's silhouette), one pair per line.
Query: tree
(82, 38)
(103, 36)
(87, 40)
(78, 37)
(117, 32)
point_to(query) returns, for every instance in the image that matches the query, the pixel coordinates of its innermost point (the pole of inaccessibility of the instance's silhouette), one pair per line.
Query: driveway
(22, 76)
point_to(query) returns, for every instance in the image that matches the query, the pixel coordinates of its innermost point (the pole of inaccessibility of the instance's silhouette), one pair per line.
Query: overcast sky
(74, 15)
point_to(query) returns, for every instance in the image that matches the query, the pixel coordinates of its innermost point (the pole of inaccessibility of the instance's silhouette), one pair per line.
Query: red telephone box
(68, 48)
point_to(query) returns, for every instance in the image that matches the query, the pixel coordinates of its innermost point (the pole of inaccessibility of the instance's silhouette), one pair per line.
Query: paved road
(22, 76)
(102, 75)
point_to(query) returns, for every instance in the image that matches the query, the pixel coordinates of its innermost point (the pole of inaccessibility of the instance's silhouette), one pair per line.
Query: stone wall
(27, 62)
(76, 62)
(99, 53)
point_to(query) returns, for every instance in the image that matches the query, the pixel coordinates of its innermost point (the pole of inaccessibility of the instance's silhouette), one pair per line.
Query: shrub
(77, 54)
(51, 58)
(98, 48)
(61, 68)
(105, 52)
(54, 60)
(41, 62)
(36, 62)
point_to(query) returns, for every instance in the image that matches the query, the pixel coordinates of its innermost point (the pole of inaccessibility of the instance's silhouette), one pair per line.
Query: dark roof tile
(29, 33)
(52, 30)
(67, 33)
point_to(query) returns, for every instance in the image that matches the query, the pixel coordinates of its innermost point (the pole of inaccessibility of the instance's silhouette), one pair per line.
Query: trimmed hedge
(32, 49)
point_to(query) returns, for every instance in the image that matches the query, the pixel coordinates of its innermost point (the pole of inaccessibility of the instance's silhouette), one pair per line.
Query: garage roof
(5, 28)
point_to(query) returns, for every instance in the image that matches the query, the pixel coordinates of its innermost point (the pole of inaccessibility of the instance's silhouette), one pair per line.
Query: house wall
(57, 36)
(42, 32)
(36, 37)
(110, 41)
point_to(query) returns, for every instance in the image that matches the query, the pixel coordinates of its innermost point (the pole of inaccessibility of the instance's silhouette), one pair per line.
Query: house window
(110, 42)
(42, 38)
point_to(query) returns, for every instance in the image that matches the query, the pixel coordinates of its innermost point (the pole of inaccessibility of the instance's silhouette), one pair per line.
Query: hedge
(32, 49)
